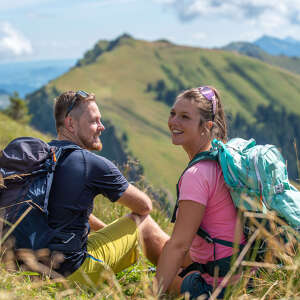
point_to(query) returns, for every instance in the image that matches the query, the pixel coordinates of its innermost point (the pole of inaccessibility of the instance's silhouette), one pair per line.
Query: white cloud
(100, 3)
(199, 36)
(265, 13)
(12, 42)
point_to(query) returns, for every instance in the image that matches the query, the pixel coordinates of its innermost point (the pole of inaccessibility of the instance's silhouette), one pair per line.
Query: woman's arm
(188, 220)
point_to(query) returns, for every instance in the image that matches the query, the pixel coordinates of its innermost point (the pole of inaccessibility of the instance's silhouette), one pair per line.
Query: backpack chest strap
(206, 155)
(205, 235)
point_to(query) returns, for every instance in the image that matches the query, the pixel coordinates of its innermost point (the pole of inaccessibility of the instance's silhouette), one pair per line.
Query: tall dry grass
(277, 276)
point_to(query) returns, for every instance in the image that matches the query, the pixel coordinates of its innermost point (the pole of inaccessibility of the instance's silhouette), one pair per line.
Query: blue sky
(54, 29)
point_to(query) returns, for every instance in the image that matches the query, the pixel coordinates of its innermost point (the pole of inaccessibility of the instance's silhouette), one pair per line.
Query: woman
(196, 118)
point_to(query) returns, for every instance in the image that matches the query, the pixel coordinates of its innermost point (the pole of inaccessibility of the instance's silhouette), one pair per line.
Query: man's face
(89, 127)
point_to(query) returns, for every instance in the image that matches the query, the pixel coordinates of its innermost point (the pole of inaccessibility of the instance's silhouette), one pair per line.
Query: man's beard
(92, 146)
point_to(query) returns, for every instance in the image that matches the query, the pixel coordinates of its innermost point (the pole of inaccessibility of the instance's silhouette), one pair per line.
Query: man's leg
(116, 245)
(152, 236)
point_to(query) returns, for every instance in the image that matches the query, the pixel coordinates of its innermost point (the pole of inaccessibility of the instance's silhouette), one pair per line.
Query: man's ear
(69, 124)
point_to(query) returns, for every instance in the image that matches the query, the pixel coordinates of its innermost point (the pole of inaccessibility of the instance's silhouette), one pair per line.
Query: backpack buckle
(69, 239)
(209, 239)
(279, 188)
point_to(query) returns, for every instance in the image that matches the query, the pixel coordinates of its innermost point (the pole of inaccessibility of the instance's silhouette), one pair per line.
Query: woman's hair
(63, 102)
(206, 107)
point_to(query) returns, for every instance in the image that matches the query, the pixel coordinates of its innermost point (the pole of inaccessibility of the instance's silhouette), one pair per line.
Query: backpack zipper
(255, 162)
(231, 172)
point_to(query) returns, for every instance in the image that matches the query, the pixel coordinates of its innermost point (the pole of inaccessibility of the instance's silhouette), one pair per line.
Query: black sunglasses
(81, 95)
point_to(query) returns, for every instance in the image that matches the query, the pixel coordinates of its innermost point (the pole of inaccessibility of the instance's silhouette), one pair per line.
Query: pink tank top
(204, 183)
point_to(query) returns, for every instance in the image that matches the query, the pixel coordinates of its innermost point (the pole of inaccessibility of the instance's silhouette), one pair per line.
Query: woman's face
(183, 123)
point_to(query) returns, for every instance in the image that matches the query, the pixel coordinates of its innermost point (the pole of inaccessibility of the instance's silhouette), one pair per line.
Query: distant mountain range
(287, 47)
(276, 46)
(26, 77)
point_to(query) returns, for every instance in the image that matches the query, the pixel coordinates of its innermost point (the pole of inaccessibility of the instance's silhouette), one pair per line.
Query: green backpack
(258, 181)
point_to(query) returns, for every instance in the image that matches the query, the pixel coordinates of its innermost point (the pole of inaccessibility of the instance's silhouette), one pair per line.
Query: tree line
(273, 125)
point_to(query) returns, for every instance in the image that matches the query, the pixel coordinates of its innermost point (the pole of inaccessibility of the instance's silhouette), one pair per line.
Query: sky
(60, 29)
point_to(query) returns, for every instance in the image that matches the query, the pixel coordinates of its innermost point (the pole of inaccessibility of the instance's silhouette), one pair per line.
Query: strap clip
(70, 238)
(209, 240)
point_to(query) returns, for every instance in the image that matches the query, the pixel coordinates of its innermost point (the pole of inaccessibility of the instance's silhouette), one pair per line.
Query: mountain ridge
(291, 64)
(120, 78)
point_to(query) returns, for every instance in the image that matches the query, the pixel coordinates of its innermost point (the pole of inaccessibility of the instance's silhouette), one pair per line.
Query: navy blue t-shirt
(79, 176)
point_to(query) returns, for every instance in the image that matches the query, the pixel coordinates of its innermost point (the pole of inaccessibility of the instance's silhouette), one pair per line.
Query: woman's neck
(192, 151)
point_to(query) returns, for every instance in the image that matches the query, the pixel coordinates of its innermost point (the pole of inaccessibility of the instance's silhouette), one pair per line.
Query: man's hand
(95, 223)
(137, 201)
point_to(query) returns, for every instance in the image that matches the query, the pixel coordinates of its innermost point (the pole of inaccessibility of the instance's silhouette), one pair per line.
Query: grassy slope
(289, 63)
(119, 79)
(11, 130)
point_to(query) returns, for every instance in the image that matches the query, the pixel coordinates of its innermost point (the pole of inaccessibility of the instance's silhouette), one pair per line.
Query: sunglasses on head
(78, 95)
(209, 95)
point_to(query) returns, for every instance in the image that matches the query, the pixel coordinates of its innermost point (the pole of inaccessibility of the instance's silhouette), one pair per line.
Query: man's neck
(64, 135)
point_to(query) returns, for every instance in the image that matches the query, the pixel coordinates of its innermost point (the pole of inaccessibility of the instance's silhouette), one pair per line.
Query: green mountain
(11, 129)
(290, 63)
(122, 74)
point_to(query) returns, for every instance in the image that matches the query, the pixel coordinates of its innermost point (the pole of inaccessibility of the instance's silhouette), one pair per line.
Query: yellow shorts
(115, 245)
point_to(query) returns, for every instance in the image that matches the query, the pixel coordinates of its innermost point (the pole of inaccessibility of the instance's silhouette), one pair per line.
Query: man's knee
(137, 218)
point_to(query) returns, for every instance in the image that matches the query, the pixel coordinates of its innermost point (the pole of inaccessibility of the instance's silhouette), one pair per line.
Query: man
(79, 177)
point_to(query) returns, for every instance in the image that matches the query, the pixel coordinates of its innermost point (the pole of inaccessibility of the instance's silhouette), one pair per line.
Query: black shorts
(196, 286)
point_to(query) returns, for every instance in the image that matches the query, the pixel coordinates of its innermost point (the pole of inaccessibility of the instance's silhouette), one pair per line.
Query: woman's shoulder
(204, 167)
(205, 173)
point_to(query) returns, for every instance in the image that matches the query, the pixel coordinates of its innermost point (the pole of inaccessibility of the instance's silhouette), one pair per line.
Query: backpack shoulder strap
(57, 152)
(206, 155)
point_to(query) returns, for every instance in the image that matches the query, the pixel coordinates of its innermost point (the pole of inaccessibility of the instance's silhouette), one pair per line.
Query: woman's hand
(190, 214)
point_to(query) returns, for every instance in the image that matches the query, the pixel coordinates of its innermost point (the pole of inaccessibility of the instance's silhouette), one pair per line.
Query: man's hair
(62, 104)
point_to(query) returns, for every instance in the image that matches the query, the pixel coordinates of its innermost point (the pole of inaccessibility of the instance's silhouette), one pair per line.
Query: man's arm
(136, 200)
(95, 223)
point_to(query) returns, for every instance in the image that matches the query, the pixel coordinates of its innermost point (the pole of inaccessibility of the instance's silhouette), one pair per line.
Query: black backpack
(27, 166)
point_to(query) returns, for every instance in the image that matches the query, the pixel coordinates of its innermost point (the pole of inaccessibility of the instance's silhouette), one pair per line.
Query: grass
(264, 280)
(133, 283)
(11, 129)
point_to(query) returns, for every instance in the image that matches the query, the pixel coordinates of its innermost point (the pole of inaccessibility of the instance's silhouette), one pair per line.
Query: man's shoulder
(90, 157)
(63, 143)
(98, 159)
